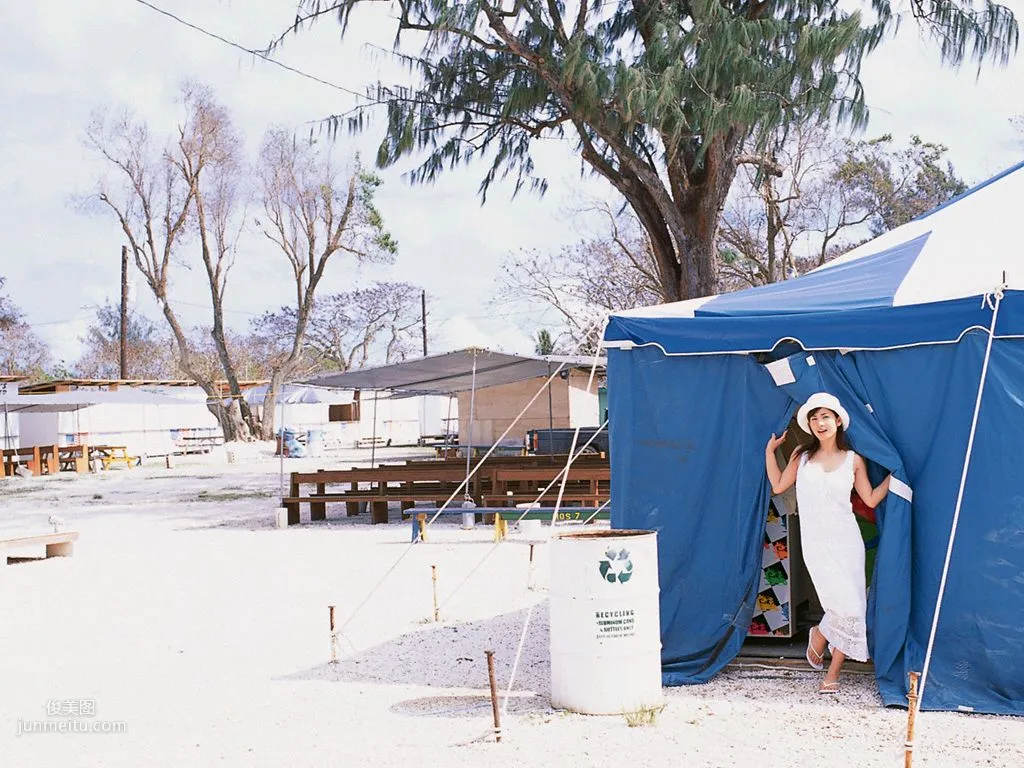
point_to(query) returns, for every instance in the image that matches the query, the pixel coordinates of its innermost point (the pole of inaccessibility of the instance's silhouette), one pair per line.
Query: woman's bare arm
(781, 480)
(862, 484)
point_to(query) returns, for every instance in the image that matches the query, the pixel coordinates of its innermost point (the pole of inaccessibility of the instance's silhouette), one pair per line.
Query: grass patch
(645, 716)
(232, 495)
(6, 492)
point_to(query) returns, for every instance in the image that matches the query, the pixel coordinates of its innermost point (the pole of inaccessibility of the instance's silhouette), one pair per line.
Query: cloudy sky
(62, 59)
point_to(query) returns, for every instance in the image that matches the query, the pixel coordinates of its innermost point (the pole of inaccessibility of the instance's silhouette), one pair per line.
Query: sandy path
(185, 615)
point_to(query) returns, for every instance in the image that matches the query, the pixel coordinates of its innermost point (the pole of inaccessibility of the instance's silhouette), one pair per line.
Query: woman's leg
(818, 642)
(832, 675)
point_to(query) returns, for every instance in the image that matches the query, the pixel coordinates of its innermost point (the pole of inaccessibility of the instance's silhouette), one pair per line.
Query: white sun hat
(821, 400)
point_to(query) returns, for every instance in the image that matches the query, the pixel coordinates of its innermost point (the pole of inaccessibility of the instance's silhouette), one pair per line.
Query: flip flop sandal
(829, 687)
(810, 653)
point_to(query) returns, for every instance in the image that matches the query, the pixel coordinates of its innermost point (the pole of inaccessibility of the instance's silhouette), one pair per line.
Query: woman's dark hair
(814, 445)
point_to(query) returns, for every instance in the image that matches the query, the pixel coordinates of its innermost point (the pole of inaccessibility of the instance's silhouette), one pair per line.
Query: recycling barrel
(605, 624)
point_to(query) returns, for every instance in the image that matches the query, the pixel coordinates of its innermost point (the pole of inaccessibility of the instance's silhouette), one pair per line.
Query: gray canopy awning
(453, 372)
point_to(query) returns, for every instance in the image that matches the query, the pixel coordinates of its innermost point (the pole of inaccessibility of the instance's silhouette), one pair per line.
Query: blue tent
(920, 333)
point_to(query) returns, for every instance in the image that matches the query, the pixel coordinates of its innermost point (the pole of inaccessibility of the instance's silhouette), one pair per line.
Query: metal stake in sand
(908, 757)
(334, 636)
(529, 571)
(433, 578)
(494, 696)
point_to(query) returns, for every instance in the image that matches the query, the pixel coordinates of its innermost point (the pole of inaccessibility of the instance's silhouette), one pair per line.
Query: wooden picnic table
(113, 454)
(73, 458)
(501, 481)
(38, 459)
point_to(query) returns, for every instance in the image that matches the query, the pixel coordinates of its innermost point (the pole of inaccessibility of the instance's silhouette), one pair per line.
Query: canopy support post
(992, 301)
(472, 413)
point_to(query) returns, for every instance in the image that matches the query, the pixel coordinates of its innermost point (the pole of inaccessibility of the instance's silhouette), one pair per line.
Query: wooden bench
(73, 458)
(502, 515)
(38, 459)
(527, 479)
(404, 483)
(199, 443)
(60, 544)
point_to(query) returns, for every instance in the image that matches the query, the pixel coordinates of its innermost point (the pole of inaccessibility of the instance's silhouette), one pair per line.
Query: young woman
(824, 472)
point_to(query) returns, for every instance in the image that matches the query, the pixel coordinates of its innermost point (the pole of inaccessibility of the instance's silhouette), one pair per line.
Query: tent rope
(402, 555)
(992, 301)
(499, 542)
(576, 434)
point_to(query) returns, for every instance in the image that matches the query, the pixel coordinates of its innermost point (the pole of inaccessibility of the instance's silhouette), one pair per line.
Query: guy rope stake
(433, 578)
(494, 696)
(908, 756)
(334, 636)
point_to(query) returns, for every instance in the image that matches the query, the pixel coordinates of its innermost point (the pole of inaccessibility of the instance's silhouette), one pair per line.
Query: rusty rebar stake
(494, 696)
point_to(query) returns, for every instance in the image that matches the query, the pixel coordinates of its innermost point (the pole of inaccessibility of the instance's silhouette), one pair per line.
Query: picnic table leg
(60, 549)
(35, 463)
(51, 462)
(293, 506)
(380, 512)
(407, 505)
(318, 509)
(351, 508)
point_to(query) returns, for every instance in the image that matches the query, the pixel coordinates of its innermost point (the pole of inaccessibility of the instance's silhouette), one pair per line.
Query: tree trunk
(269, 416)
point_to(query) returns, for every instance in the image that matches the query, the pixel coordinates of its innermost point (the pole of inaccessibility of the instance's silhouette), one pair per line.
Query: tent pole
(551, 417)
(373, 440)
(280, 432)
(575, 435)
(992, 300)
(472, 406)
(448, 426)
(7, 428)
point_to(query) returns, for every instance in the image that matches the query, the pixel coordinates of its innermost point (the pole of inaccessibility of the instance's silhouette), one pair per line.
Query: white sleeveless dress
(834, 553)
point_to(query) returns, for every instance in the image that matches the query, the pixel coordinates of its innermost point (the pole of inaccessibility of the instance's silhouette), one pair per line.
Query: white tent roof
(74, 400)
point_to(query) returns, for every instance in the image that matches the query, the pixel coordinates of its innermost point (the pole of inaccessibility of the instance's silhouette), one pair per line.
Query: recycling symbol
(616, 566)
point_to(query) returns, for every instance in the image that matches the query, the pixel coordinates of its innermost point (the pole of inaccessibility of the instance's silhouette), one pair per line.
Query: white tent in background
(145, 422)
(305, 394)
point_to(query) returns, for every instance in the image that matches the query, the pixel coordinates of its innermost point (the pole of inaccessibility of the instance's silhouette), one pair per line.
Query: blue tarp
(688, 436)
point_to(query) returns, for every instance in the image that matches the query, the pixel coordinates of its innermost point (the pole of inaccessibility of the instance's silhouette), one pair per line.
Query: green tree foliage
(544, 343)
(893, 186)
(22, 351)
(661, 97)
(149, 353)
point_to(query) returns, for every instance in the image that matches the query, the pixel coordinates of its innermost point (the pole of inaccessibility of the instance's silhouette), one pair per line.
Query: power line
(250, 51)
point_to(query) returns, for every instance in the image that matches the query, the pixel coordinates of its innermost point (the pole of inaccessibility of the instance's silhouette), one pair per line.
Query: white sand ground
(186, 615)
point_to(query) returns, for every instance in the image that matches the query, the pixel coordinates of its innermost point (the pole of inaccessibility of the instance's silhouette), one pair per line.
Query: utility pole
(423, 311)
(124, 311)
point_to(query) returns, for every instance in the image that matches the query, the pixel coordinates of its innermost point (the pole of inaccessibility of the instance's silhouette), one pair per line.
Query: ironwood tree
(831, 194)
(663, 99)
(313, 211)
(168, 197)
